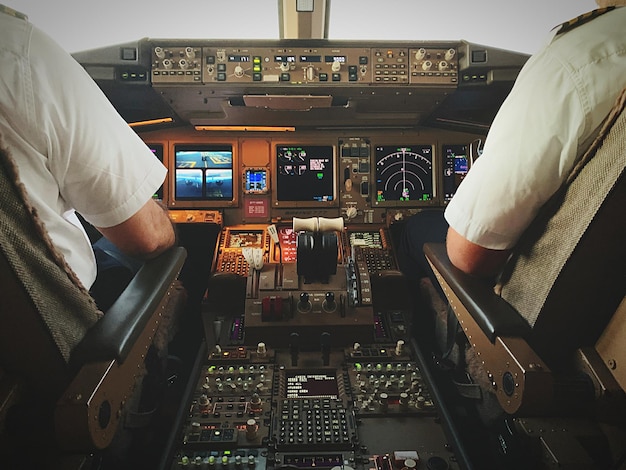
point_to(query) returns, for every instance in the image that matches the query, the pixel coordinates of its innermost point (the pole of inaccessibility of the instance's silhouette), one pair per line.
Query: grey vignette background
(80, 25)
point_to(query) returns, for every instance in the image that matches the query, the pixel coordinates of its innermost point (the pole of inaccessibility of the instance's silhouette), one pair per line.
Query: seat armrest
(114, 334)
(492, 313)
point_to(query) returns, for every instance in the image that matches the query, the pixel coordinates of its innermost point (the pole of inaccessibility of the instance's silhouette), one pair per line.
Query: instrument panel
(376, 178)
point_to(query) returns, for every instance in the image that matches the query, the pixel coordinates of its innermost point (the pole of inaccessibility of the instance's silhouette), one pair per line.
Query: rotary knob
(351, 212)
(420, 54)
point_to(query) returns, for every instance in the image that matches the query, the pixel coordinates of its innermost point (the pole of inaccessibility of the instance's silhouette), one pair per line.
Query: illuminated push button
(353, 73)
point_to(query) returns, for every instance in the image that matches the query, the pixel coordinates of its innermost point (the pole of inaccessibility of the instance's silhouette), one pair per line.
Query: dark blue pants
(423, 227)
(115, 271)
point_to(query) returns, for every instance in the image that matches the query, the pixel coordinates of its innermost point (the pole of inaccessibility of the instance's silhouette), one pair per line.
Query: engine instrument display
(305, 174)
(404, 174)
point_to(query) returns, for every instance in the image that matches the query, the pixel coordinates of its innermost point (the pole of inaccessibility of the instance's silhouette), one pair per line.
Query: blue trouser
(115, 270)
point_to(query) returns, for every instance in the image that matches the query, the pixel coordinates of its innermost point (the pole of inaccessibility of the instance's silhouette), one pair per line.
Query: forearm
(474, 259)
(146, 234)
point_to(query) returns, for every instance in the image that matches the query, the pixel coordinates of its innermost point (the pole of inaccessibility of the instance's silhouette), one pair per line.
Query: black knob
(304, 297)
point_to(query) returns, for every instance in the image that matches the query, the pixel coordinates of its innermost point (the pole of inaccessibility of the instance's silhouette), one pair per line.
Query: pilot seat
(71, 376)
(544, 347)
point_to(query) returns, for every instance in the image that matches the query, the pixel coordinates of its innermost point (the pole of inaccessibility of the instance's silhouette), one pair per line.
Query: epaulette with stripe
(10, 11)
(582, 19)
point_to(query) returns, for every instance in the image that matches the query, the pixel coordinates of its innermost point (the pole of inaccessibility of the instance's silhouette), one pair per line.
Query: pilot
(74, 153)
(551, 115)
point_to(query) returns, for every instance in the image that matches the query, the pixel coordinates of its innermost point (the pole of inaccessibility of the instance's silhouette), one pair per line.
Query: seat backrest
(45, 310)
(568, 273)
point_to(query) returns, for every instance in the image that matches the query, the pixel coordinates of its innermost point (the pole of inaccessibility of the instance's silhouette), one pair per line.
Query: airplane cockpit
(298, 341)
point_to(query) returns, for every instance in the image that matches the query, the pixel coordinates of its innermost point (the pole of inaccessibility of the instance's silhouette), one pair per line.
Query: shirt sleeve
(529, 151)
(103, 169)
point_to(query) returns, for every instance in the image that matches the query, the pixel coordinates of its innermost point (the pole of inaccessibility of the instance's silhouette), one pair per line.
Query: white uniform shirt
(560, 97)
(73, 150)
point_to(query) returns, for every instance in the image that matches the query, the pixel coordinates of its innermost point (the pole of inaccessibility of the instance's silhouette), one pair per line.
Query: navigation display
(404, 175)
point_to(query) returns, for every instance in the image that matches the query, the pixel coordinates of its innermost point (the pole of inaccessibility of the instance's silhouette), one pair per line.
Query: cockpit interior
(293, 339)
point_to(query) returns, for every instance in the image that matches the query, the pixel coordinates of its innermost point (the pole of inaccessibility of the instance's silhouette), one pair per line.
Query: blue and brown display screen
(204, 172)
